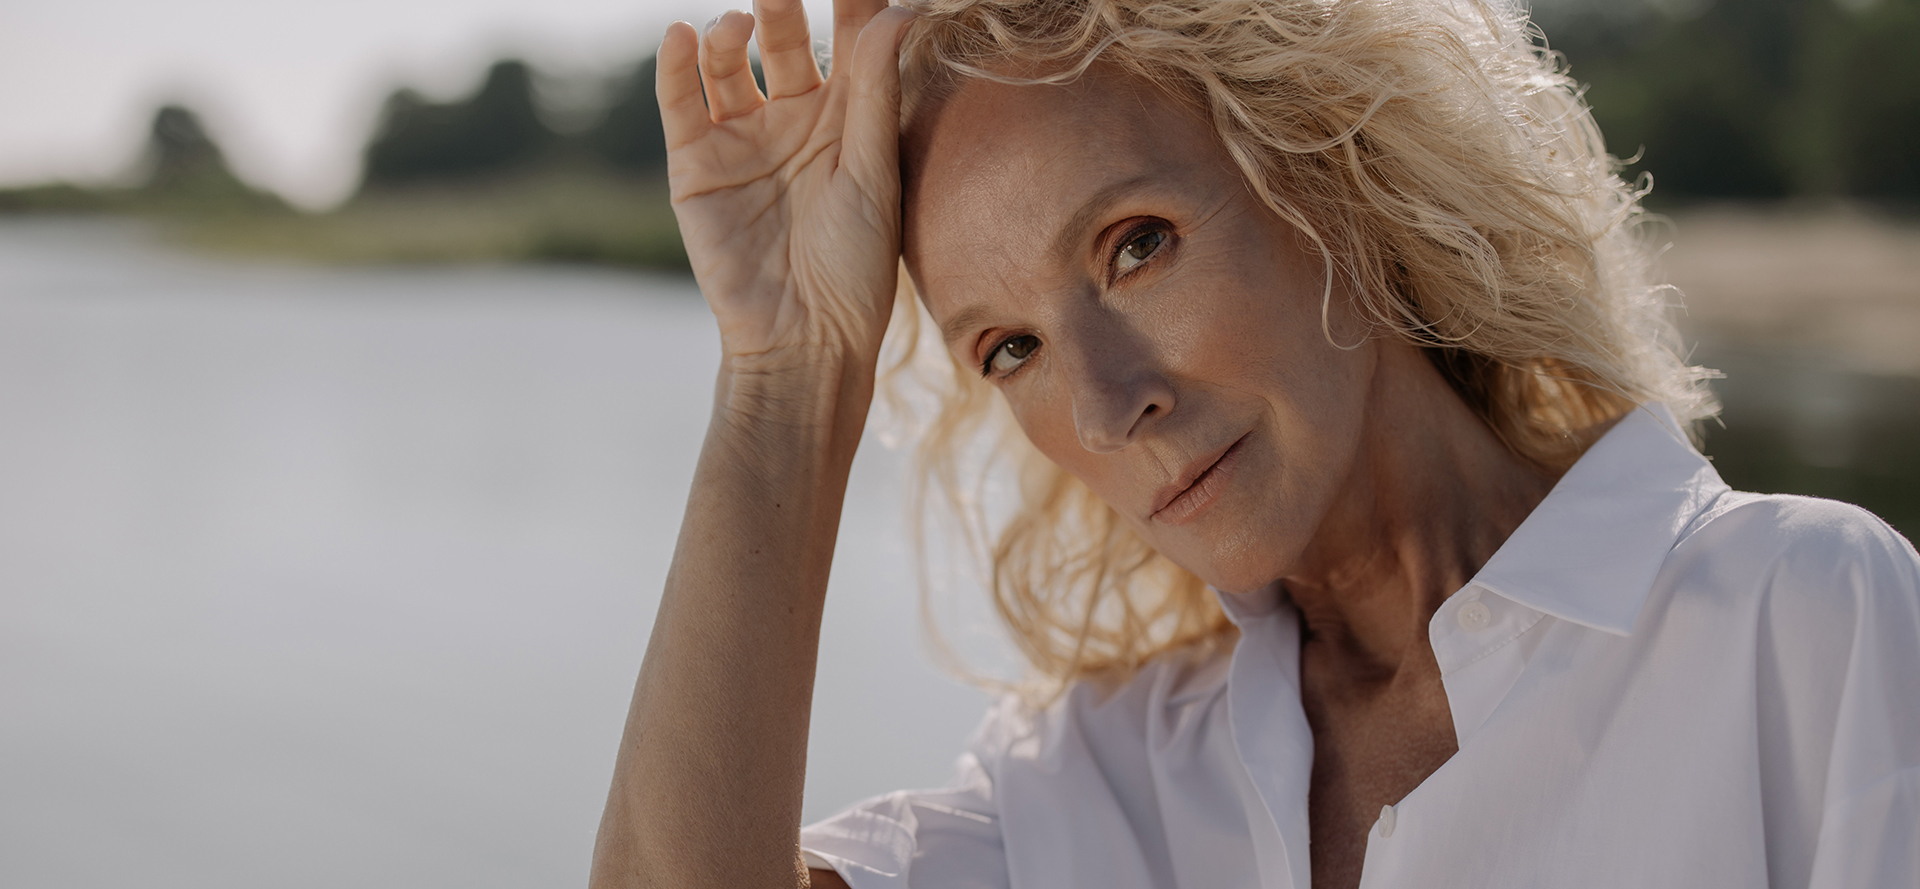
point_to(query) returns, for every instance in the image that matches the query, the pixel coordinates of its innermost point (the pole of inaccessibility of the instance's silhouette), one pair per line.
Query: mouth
(1197, 487)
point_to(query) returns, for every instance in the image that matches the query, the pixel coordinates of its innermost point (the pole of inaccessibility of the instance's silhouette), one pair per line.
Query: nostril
(1150, 409)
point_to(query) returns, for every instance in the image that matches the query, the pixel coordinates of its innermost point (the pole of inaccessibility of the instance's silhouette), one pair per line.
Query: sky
(290, 88)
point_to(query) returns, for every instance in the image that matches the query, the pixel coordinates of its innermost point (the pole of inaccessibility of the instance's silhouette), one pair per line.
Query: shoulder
(1837, 636)
(1807, 593)
(1796, 547)
(1824, 595)
(1791, 519)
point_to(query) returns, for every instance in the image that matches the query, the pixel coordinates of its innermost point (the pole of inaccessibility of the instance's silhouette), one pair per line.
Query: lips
(1197, 486)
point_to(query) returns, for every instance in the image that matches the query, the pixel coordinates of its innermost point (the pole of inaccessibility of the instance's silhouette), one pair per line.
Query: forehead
(993, 173)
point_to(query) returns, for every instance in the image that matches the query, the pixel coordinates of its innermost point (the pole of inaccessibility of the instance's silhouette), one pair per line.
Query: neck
(1432, 494)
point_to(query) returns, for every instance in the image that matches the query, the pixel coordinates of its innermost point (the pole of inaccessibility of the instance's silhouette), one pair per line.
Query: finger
(871, 145)
(849, 17)
(676, 84)
(786, 49)
(731, 91)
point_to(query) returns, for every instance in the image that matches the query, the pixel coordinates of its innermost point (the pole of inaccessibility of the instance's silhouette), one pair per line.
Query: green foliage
(1877, 102)
(1752, 98)
(558, 213)
(58, 197)
(185, 174)
(631, 136)
(495, 130)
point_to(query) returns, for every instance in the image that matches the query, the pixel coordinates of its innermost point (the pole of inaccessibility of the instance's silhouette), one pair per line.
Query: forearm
(707, 786)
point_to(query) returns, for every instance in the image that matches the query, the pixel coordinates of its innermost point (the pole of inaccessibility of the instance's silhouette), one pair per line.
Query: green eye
(1136, 250)
(1010, 354)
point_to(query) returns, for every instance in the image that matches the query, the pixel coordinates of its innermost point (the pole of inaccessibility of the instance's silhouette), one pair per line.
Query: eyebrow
(962, 320)
(1065, 242)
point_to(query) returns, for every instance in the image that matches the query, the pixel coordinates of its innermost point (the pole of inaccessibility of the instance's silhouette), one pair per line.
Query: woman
(1360, 532)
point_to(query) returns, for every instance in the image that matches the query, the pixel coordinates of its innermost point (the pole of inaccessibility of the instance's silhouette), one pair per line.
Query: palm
(789, 206)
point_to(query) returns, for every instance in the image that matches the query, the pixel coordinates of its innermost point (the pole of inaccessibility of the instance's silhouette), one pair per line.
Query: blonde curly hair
(1441, 162)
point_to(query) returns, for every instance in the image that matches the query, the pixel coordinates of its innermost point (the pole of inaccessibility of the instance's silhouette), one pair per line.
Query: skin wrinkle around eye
(1138, 191)
(1073, 233)
(1110, 203)
(1161, 251)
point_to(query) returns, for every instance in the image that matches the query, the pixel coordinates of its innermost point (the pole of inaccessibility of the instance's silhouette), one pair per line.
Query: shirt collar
(1244, 607)
(1590, 551)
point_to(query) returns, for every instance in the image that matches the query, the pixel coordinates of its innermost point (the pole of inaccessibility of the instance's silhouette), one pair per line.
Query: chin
(1234, 567)
(1245, 555)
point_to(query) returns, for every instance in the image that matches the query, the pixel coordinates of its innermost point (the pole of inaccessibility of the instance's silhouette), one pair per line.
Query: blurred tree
(180, 152)
(493, 131)
(187, 170)
(1752, 98)
(630, 137)
(1877, 110)
(182, 171)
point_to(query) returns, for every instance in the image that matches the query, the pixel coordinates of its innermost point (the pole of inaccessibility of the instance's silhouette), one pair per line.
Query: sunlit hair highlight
(1441, 163)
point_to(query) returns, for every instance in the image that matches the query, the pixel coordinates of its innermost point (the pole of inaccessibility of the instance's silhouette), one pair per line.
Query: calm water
(341, 578)
(1801, 422)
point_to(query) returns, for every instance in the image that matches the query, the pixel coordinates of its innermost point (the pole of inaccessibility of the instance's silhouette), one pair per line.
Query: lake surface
(321, 577)
(340, 577)
(1806, 421)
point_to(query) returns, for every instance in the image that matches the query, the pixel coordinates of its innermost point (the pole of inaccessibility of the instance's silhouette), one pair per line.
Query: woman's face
(1093, 251)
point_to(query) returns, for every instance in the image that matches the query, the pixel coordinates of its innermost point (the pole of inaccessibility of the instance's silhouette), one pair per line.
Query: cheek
(1045, 413)
(1237, 305)
(1043, 408)
(1258, 327)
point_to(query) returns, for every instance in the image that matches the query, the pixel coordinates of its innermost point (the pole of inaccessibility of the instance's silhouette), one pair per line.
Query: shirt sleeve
(1870, 825)
(947, 838)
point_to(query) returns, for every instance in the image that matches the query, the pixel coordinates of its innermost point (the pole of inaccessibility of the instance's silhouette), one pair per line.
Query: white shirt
(1655, 682)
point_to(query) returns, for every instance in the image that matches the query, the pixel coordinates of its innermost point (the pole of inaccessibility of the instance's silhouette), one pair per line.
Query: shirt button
(1474, 617)
(1386, 822)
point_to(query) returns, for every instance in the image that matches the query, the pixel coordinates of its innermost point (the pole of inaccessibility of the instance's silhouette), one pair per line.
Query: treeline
(1718, 99)
(496, 132)
(499, 130)
(1752, 98)
(182, 171)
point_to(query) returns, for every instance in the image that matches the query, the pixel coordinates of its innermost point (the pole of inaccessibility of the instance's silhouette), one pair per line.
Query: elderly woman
(1360, 534)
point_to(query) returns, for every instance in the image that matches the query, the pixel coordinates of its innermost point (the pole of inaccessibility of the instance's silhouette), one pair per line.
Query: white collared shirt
(1655, 682)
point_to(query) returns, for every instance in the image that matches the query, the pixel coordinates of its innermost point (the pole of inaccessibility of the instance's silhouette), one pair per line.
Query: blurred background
(351, 383)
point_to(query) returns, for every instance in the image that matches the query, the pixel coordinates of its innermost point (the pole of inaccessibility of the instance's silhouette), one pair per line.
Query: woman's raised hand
(790, 208)
(789, 202)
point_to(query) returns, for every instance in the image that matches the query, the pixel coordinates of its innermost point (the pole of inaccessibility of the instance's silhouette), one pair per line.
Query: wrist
(789, 400)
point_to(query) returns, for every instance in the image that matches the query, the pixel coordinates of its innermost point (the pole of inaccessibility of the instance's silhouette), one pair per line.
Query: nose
(1118, 392)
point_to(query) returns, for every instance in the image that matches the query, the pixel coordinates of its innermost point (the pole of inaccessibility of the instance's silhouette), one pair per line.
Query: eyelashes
(1136, 247)
(1015, 349)
(1141, 244)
